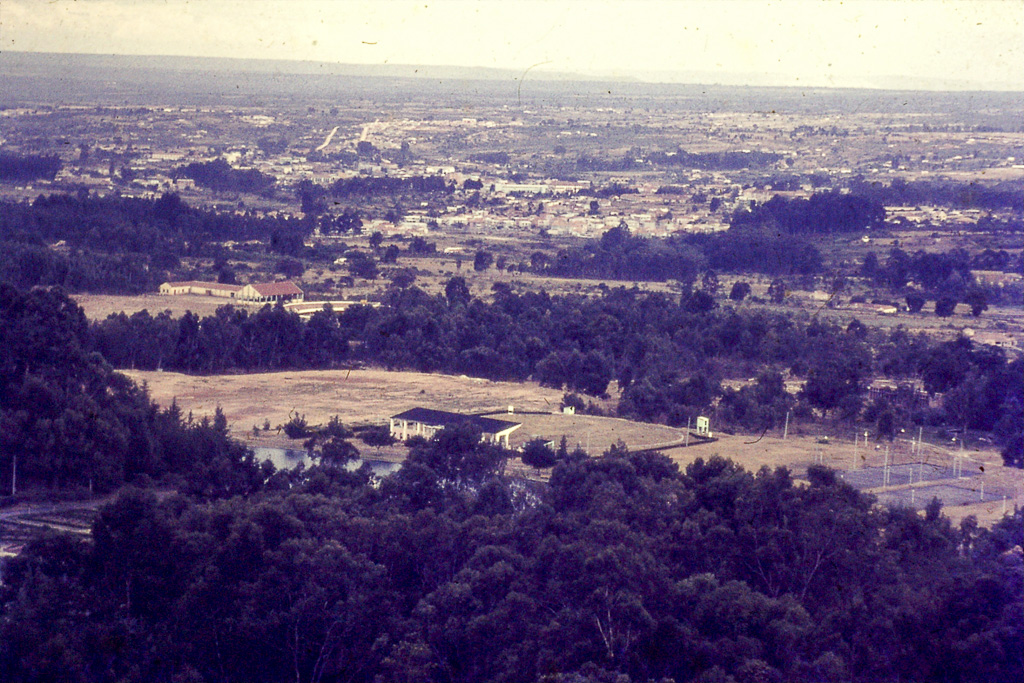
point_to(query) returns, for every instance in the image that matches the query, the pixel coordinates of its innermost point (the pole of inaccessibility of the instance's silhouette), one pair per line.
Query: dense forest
(772, 238)
(823, 212)
(618, 568)
(364, 186)
(123, 245)
(220, 176)
(67, 420)
(26, 168)
(621, 568)
(668, 354)
(1003, 195)
(620, 255)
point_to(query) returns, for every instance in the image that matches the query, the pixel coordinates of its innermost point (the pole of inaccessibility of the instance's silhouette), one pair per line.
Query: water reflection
(290, 458)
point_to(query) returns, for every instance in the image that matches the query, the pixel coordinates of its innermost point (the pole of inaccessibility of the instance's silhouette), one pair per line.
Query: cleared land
(357, 396)
(979, 493)
(371, 396)
(99, 306)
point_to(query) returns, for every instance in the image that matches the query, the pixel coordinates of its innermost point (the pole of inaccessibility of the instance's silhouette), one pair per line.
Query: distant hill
(52, 78)
(49, 61)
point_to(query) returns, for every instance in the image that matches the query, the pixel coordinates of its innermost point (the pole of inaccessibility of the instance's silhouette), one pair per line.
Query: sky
(933, 44)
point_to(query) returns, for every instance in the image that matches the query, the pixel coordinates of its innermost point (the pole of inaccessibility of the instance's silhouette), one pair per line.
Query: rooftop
(284, 288)
(441, 418)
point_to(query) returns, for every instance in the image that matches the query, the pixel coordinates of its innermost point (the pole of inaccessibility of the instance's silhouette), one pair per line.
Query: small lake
(290, 458)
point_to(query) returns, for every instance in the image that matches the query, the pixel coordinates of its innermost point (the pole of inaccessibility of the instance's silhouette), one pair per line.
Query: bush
(945, 306)
(296, 427)
(536, 453)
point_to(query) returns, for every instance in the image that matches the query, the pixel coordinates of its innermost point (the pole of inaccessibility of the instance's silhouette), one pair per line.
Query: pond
(289, 458)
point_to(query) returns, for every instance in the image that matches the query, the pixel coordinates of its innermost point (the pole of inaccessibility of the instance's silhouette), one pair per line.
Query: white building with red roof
(285, 290)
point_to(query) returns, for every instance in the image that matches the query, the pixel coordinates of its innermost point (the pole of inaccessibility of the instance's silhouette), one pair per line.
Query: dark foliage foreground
(622, 568)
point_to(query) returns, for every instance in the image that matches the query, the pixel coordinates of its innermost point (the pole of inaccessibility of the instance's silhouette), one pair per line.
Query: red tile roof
(285, 288)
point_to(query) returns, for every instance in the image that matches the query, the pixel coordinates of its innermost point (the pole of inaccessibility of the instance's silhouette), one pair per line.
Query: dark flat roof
(442, 418)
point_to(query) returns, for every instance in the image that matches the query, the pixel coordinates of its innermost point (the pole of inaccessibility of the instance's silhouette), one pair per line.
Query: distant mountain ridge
(57, 60)
(37, 78)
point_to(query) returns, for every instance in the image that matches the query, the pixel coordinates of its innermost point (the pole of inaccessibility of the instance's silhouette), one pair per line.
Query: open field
(99, 306)
(371, 396)
(356, 396)
(981, 469)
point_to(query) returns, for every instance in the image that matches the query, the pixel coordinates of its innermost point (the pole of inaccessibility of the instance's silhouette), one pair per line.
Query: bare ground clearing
(356, 396)
(99, 306)
(371, 396)
(797, 452)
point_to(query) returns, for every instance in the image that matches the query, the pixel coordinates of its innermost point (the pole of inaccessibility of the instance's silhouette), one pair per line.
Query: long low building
(270, 292)
(217, 289)
(426, 422)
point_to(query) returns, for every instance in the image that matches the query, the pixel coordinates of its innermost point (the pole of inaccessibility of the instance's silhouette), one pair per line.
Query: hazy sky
(951, 43)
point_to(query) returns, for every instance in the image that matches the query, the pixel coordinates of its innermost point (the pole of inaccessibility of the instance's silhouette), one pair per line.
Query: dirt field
(99, 306)
(990, 477)
(371, 396)
(357, 396)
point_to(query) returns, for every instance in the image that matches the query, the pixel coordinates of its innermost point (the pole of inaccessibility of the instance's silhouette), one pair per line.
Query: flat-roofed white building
(426, 422)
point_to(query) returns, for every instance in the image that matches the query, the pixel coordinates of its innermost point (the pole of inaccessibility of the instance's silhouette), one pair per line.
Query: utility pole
(785, 430)
(687, 437)
(886, 474)
(14, 474)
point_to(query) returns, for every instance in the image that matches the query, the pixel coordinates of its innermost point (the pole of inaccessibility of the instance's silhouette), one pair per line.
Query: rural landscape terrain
(761, 353)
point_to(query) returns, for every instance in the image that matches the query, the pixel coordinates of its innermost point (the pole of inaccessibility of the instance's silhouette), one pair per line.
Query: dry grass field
(797, 452)
(99, 306)
(371, 396)
(356, 396)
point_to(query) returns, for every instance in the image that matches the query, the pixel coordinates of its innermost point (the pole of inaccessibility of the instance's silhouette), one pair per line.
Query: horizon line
(633, 77)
